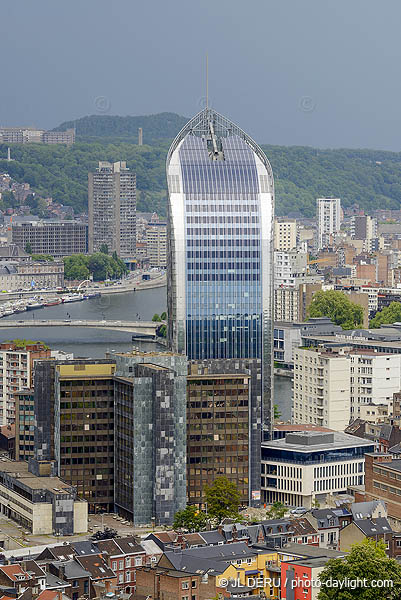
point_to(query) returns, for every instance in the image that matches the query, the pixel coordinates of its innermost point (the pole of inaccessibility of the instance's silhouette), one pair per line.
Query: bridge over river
(145, 329)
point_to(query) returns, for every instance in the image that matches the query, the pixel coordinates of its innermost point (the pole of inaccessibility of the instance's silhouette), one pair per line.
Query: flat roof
(220, 376)
(19, 470)
(302, 427)
(341, 440)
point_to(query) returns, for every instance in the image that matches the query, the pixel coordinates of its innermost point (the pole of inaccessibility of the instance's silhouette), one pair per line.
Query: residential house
(77, 578)
(361, 529)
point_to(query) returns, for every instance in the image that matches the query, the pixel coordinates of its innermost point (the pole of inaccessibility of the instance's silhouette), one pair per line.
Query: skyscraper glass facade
(220, 220)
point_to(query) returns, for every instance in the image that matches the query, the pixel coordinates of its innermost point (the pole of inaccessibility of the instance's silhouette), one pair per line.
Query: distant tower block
(8, 154)
(140, 136)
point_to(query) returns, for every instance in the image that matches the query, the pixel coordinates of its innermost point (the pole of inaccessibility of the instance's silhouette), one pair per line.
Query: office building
(57, 238)
(328, 220)
(220, 426)
(24, 424)
(74, 417)
(220, 234)
(16, 373)
(150, 436)
(285, 234)
(383, 482)
(321, 388)
(156, 244)
(307, 466)
(112, 209)
(42, 504)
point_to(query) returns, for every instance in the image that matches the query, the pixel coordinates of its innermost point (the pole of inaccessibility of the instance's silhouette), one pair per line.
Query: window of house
(127, 562)
(121, 578)
(194, 583)
(114, 565)
(127, 576)
(138, 561)
(185, 585)
(86, 587)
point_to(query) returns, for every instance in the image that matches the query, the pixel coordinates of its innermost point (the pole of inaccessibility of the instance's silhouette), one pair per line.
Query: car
(300, 510)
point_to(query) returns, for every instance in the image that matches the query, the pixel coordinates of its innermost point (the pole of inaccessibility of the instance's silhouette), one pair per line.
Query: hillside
(370, 178)
(155, 127)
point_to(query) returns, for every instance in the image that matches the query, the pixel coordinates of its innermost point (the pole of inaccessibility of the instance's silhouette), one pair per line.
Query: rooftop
(19, 470)
(316, 441)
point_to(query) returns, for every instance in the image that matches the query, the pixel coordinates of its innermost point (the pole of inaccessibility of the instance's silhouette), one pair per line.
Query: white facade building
(289, 267)
(330, 387)
(321, 393)
(375, 377)
(328, 219)
(285, 234)
(309, 465)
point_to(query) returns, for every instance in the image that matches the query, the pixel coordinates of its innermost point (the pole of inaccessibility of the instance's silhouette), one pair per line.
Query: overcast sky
(294, 72)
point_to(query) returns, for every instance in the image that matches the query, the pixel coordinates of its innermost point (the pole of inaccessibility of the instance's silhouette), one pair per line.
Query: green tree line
(100, 266)
(371, 178)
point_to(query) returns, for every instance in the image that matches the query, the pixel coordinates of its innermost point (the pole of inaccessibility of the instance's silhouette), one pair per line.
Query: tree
(223, 499)
(190, 518)
(104, 248)
(337, 306)
(99, 266)
(163, 316)
(276, 511)
(276, 412)
(28, 248)
(366, 561)
(389, 314)
(156, 318)
(315, 503)
(43, 257)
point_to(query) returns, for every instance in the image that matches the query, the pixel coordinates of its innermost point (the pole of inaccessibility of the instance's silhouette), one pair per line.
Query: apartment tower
(112, 209)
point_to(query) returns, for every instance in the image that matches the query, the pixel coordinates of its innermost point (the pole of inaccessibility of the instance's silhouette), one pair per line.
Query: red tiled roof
(47, 595)
(12, 571)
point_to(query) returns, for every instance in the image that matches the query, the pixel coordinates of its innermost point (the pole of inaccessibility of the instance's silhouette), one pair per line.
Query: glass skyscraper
(220, 219)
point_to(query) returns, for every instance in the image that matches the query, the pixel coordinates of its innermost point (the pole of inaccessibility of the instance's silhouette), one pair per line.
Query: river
(94, 343)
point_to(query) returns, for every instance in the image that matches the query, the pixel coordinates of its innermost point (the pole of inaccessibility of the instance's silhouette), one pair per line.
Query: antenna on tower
(207, 81)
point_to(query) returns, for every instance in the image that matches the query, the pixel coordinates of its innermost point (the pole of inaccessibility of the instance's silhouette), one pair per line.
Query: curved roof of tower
(208, 122)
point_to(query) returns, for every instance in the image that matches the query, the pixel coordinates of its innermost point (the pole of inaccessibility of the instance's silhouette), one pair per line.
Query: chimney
(181, 541)
(234, 533)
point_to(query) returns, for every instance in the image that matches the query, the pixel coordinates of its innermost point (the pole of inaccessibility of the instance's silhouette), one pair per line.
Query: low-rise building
(383, 482)
(307, 466)
(28, 275)
(43, 505)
